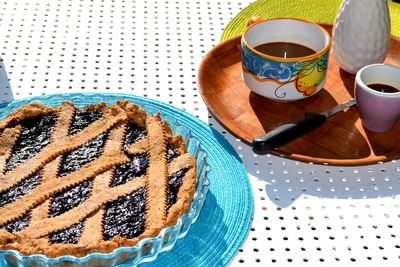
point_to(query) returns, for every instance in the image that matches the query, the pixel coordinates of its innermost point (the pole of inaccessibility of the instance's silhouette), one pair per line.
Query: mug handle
(252, 20)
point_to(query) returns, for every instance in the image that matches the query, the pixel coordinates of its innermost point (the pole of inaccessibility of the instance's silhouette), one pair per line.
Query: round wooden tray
(340, 141)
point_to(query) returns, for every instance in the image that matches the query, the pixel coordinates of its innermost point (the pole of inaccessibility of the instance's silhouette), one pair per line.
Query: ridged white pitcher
(361, 34)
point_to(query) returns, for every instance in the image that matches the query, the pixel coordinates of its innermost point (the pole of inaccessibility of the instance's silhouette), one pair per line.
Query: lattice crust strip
(144, 159)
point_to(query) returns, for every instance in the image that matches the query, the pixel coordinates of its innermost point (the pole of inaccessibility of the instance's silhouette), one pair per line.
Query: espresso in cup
(378, 97)
(383, 88)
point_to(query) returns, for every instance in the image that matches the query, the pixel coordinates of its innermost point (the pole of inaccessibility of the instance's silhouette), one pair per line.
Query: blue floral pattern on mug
(306, 75)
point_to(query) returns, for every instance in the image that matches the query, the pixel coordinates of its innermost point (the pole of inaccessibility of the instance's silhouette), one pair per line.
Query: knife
(290, 131)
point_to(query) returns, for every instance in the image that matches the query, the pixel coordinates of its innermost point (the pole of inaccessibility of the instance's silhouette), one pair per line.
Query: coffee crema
(383, 88)
(284, 49)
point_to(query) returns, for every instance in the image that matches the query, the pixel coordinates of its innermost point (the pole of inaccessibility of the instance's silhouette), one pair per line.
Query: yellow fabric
(313, 10)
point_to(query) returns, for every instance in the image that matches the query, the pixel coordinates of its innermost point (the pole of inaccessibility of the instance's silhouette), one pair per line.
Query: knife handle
(287, 132)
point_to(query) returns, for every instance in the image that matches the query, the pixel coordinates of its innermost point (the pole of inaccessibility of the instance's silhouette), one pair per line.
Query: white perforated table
(305, 214)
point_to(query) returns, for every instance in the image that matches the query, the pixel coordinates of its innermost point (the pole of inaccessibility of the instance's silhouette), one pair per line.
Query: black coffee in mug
(383, 88)
(284, 49)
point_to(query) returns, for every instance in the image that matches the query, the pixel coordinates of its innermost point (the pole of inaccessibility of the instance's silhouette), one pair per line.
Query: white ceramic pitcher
(361, 34)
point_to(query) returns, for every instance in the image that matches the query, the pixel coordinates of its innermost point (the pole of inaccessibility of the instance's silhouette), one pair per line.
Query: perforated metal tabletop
(305, 214)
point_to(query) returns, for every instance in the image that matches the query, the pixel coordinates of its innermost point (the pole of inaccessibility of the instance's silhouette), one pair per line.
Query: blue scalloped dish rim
(148, 248)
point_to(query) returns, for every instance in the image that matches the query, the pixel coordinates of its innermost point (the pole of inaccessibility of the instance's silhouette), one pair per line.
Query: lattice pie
(79, 180)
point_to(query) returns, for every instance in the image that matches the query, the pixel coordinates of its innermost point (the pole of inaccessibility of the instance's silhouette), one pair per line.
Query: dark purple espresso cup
(377, 91)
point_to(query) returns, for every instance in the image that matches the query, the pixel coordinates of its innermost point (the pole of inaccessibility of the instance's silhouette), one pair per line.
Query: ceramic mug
(279, 78)
(379, 111)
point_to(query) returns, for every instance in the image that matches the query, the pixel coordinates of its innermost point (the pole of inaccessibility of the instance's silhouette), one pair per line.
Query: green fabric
(313, 10)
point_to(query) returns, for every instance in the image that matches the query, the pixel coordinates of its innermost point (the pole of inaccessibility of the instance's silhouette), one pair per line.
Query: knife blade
(293, 130)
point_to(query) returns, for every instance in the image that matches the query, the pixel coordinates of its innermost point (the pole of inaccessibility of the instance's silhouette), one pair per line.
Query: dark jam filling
(16, 225)
(86, 153)
(133, 133)
(35, 135)
(129, 171)
(82, 118)
(174, 183)
(64, 201)
(172, 153)
(125, 216)
(67, 236)
(22, 188)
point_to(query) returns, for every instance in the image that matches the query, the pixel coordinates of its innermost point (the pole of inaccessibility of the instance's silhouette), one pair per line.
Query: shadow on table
(287, 180)
(286, 184)
(204, 238)
(6, 94)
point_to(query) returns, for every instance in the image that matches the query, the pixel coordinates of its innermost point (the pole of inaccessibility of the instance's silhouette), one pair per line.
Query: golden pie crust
(34, 239)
